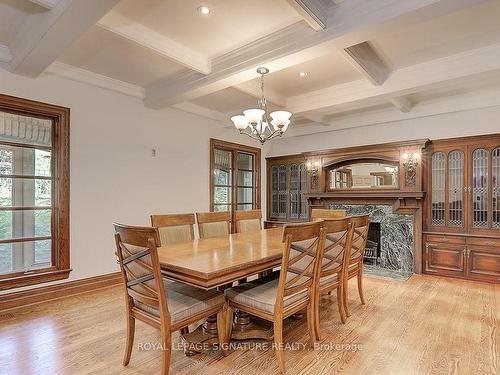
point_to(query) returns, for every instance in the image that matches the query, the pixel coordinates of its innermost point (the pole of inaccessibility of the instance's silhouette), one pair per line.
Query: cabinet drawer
(489, 242)
(444, 259)
(456, 240)
(483, 263)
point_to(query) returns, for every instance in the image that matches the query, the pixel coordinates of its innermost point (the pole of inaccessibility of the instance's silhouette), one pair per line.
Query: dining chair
(150, 298)
(295, 289)
(333, 274)
(174, 228)
(324, 213)
(213, 224)
(360, 226)
(248, 221)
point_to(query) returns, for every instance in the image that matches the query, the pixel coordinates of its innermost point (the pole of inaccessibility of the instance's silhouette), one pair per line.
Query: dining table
(218, 262)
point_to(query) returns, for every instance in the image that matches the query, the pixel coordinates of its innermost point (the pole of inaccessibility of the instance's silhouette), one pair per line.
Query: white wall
(456, 124)
(113, 175)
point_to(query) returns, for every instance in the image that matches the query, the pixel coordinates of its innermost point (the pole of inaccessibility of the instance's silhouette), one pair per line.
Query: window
(34, 192)
(234, 177)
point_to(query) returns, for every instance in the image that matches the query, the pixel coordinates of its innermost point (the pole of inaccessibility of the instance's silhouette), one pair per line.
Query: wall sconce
(410, 164)
(314, 168)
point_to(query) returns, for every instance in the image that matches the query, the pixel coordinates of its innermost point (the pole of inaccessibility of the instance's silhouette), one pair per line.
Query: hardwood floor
(427, 325)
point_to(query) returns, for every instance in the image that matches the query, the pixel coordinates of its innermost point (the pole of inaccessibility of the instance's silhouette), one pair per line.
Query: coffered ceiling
(364, 61)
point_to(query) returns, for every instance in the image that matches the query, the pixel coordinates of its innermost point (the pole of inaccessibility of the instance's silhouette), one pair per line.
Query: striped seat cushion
(261, 294)
(185, 301)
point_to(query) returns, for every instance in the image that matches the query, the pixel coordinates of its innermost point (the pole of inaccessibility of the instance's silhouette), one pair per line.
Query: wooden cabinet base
(462, 256)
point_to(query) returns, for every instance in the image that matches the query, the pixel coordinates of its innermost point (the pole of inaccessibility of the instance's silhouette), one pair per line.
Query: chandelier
(255, 122)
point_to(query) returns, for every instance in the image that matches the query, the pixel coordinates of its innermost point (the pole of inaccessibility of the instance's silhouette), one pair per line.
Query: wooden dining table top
(210, 262)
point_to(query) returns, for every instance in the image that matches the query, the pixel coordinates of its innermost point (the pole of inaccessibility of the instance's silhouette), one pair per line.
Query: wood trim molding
(47, 293)
(61, 190)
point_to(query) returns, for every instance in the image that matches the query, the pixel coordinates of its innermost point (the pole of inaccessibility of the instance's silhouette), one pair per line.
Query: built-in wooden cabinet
(462, 210)
(287, 186)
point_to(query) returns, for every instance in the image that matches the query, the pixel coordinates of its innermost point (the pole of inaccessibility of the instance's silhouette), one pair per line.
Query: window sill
(32, 278)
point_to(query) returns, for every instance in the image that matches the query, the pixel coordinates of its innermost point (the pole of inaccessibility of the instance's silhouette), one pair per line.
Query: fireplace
(372, 251)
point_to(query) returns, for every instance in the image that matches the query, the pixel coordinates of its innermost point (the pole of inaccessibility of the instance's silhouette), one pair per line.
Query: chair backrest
(338, 241)
(360, 226)
(248, 221)
(174, 228)
(300, 265)
(213, 224)
(324, 214)
(136, 248)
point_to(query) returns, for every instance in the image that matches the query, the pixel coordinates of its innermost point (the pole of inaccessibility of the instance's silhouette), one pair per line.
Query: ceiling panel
(229, 25)
(470, 28)
(105, 53)
(13, 15)
(328, 70)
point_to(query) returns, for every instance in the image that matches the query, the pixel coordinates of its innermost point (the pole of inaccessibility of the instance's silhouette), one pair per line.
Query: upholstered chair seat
(185, 301)
(261, 295)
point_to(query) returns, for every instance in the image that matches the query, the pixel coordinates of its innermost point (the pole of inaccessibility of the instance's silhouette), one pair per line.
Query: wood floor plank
(426, 325)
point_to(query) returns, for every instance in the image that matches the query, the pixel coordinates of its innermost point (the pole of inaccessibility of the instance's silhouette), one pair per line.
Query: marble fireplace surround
(396, 234)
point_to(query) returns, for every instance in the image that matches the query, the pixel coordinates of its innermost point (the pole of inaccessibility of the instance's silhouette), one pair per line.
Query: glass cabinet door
(495, 183)
(294, 191)
(304, 206)
(484, 188)
(448, 190)
(282, 191)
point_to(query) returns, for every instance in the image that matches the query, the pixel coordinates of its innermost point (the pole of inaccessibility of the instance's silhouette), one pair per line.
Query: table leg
(205, 335)
(246, 327)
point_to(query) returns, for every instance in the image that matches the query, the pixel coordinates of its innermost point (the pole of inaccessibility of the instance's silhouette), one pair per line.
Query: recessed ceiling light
(204, 10)
(302, 74)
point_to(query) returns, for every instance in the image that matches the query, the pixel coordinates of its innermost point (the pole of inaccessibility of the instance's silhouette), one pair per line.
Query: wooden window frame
(235, 148)
(60, 267)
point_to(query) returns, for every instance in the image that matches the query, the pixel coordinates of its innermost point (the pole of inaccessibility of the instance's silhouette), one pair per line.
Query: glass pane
(304, 209)
(23, 129)
(25, 256)
(245, 207)
(245, 178)
(245, 195)
(245, 161)
(294, 191)
(438, 188)
(455, 188)
(274, 191)
(362, 175)
(25, 161)
(43, 252)
(495, 160)
(222, 177)
(222, 159)
(221, 207)
(5, 258)
(282, 192)
(222, 195)
(480, 188)
(23, 224)
(19, 192)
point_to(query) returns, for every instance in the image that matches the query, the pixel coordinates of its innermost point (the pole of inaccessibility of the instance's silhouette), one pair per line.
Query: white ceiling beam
(314, 12)
(351, 22)
(47, 4)
(402, 103)
(46, 35)
(155, 41)
(434, 107)
(432, 74)
(365, 60)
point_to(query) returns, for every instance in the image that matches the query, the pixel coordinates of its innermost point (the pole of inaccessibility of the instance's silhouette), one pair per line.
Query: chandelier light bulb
(240, 122)
(254, 116)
